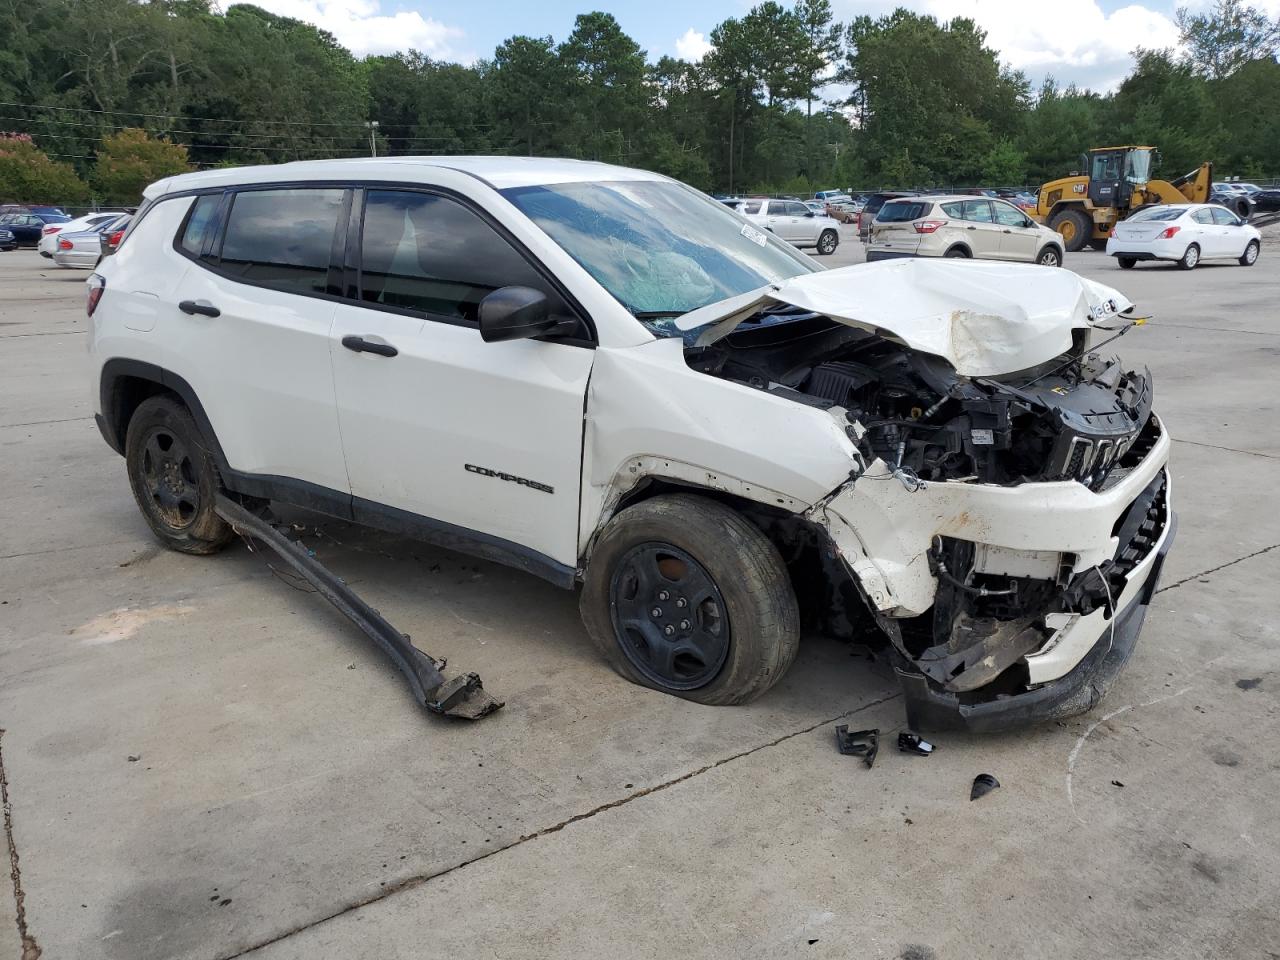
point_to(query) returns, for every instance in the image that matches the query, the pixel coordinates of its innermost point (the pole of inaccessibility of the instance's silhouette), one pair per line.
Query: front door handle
(1006, 231)
(202, 307)
(361, 345)
(971, 228)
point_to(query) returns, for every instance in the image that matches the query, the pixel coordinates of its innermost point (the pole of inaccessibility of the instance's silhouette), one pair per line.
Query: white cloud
(1073, 40)
(1077, 42)
(693, 46)
(363, 28)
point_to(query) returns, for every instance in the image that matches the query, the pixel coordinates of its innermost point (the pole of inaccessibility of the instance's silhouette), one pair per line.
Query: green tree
(607, 97)
(130, 160)
(527, 91)
(1226, 37)
(27, 175)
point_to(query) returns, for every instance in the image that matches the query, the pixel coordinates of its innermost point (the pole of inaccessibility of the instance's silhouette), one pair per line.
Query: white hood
(987, 319)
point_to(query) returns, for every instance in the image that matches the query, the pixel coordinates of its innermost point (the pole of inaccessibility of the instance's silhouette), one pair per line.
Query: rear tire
(828, 242)
(1126, 263)
(1250, 255)
(685, 596)
(174, 478)
(1075, 226)
(956, 253)
(1191, 258)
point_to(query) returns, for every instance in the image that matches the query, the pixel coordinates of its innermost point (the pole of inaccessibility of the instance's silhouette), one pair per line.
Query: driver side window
(427, 254)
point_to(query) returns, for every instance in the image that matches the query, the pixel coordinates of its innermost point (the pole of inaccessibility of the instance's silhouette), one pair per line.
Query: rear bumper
(873, 255)
(1078, 691)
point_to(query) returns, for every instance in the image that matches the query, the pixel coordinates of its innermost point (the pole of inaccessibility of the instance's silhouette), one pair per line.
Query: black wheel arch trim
(312, 496)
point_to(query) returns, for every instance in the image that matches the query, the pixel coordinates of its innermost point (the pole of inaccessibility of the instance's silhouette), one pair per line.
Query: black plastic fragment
(911, 743)
(860, 743)
(983, 784)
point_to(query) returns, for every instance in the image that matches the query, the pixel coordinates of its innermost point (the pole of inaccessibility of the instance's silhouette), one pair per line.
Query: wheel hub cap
(669, 616)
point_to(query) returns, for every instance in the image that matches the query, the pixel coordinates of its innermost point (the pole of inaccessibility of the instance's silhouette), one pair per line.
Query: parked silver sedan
(82, 249)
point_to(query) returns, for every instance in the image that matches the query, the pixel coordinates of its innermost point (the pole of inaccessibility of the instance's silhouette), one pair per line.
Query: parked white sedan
(1185, 233)
(793, 222)
(48, 244)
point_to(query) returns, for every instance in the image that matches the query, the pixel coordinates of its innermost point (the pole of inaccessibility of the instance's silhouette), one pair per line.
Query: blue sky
(1082, 41)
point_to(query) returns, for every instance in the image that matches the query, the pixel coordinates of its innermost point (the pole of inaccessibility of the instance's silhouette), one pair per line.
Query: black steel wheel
(669, 616)
(173, 477)
(685, 595)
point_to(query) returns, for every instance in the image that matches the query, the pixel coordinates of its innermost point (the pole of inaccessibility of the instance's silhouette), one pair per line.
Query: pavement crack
(414, 882)
(1221, 566)
(1214, 446)
(30, 949)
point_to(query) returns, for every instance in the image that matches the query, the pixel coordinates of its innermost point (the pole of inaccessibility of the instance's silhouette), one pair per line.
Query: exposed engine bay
(1072, 418)
(1080, 418)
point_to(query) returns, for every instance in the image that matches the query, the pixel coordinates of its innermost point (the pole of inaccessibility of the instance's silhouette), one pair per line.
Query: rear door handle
(971, 228)
(202, 307)
(361, 345)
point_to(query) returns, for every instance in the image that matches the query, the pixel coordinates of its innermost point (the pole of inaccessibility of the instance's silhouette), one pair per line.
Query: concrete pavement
(289, 800)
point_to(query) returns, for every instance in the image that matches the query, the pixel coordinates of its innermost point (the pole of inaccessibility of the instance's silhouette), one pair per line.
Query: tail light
(65, 244)
(50, 229)
(1168, 232)
(928, 226)
(113, 239)
(94, 289)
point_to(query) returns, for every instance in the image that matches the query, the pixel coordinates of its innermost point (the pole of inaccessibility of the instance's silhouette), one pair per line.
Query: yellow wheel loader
(1117, 182)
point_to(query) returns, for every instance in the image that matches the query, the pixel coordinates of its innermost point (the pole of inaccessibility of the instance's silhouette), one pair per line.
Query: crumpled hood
(986, 319)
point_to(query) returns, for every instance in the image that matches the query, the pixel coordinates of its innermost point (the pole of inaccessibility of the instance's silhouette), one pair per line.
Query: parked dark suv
(869, 210)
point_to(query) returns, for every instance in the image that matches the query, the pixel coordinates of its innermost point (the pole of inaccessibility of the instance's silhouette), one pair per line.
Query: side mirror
(514, 313)
(1028, 222)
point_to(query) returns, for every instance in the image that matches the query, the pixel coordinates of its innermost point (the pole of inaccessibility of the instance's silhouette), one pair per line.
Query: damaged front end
(1005, 529)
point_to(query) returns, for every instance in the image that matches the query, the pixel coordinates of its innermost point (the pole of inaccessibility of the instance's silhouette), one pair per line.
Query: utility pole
(373, 144)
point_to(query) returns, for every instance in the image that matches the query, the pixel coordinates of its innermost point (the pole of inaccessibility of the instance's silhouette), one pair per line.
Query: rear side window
(282, 238)
(430, 254)
(901, 211)
(751, 207)
(199, 221)
(1224, 217)
(1203, 215)
(977, 210)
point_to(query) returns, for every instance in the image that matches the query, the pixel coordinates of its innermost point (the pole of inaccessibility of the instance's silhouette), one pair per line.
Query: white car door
(250, 328)
(1234, 236)
(1206, 233)
(445, 434)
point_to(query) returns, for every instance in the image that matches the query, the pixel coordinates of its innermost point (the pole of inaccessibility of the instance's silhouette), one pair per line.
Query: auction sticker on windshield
(754, 235)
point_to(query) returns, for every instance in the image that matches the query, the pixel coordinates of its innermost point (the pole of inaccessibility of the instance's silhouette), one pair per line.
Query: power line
(352, 124)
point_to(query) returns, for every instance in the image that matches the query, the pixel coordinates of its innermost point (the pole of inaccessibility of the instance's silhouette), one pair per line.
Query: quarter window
(199, 221)
(430, 254)
(282, 238)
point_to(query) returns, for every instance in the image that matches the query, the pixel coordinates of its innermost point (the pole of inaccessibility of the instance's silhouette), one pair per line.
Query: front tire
(174, 478)
(828, 242)
(1250, 255)
(685, 596)
(1049, 257)
(1075, 227)
(1190, 258)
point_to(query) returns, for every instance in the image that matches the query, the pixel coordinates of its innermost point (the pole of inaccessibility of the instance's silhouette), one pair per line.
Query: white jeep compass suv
(603, 377)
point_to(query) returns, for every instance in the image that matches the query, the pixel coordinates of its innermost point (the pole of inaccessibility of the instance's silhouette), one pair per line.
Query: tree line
(787, 100)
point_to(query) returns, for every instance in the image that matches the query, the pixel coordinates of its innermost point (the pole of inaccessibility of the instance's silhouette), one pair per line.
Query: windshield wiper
(657, 314)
